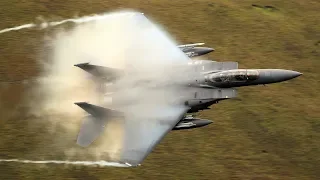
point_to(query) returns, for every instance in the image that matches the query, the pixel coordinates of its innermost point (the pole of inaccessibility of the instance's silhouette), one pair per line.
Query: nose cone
(284, 75)
(277, 75)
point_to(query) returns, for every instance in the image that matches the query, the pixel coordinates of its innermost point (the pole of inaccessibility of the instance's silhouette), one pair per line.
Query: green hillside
(268, 132)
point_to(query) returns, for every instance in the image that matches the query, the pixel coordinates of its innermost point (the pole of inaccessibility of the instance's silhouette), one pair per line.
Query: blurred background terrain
(268, 132)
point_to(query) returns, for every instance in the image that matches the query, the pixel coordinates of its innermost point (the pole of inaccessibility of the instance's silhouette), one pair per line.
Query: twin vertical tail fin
(93, 124)
(101, 76)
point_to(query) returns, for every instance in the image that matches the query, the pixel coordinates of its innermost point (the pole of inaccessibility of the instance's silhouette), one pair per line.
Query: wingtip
(128, 164)
(82, 144)
(131, 165)
(80, 103)
(81, 64)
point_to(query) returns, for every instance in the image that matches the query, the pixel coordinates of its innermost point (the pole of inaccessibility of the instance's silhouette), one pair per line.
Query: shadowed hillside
(268, 132)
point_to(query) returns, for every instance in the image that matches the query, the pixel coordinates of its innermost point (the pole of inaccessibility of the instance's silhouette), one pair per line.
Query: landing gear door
(218, 93)
(224, 93)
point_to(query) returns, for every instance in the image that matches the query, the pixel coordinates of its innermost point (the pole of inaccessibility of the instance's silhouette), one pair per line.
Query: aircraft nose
(283, 75)
(276, 75)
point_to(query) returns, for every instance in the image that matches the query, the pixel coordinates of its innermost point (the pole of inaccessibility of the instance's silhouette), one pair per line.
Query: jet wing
(143, 133)
(101, 72)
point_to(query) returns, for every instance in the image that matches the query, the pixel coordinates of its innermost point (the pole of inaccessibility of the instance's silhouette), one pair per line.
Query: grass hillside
(270, 132)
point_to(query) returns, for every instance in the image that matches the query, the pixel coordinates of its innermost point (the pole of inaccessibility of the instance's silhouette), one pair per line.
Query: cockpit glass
(240, 75)
(235, 76)
(252, 74)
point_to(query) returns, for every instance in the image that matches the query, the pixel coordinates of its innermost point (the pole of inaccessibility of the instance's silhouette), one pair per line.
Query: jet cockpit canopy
(237, 75)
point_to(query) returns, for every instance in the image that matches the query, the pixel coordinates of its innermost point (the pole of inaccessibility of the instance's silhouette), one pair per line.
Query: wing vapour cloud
(151, 108)
(125, 40)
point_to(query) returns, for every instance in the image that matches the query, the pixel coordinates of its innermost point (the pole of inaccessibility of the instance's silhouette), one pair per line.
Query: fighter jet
(210, 83)
(192, 51)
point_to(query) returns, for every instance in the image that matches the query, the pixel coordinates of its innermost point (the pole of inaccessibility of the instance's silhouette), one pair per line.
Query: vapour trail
(83, 163)
(45, 25)
(123, 40)
(25, 26)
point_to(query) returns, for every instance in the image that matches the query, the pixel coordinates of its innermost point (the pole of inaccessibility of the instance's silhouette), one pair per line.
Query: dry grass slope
(270, 132)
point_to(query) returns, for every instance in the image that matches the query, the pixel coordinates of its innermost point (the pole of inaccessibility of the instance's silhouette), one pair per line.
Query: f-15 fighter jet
(151, 95)
(210, 83)
(192, 51)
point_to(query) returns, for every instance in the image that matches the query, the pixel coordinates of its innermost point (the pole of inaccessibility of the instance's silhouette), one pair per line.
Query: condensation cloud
(126, 40)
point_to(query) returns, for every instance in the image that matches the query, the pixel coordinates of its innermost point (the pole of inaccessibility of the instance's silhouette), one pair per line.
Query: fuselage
(209, 83)
(248, 77)
(226, 79)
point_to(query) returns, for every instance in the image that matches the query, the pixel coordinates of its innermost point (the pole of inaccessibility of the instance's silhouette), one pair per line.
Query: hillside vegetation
(268, 132)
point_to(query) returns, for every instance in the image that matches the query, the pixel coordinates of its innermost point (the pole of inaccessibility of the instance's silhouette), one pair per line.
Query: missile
(190, 122)
(197, 51)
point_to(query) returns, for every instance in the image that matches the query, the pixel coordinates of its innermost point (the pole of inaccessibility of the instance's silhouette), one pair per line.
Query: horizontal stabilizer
(98, 111)
(104, 73)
